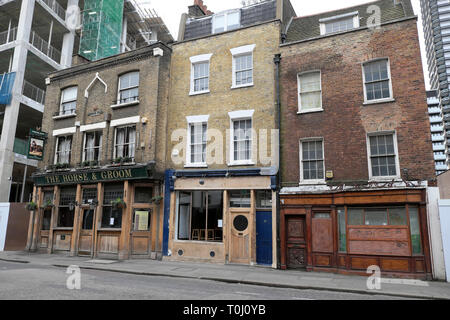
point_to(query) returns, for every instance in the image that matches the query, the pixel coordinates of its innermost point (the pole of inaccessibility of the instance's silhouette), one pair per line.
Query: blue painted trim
(168, 188)
(273, 183)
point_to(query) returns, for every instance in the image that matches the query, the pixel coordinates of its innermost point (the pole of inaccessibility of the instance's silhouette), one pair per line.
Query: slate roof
(303, 28)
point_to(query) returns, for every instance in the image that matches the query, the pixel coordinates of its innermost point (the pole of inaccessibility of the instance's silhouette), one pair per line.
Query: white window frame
(369, 159)
(57, 145)
(300, 111)
(311, 181)
(225, 14)
(119, 103)
(192, 120)
(238, 52)
(99, 147)
(73, 113)
(135, 140)
(324, 21)
(235, 116)
(203, 58)
(391, 93)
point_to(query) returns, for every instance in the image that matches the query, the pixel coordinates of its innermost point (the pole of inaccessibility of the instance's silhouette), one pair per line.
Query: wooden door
(239, 237)
(85, 244)
(141, 238)
(296, 242)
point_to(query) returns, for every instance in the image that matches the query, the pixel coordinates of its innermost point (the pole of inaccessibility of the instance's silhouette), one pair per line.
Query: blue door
(264, 237)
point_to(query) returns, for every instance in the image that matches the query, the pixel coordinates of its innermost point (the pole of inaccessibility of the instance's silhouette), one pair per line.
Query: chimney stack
(198, 9)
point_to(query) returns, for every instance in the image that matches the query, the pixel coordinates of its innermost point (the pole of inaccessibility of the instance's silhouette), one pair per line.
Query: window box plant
(157, 199)
(118, 203)
(31, 206)
(48, 204)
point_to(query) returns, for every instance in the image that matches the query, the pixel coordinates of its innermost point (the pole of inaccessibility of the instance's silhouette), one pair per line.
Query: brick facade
(345, 120)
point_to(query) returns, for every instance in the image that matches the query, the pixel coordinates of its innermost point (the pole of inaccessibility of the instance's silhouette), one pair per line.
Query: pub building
(99, 188)
(357, 162)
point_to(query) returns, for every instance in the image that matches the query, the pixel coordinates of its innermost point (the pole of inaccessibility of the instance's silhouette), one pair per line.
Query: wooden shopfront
(83, 218)
(346, 232)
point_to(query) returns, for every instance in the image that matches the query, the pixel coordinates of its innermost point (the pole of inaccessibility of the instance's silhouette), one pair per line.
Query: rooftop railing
(44, 47)
(33, 92)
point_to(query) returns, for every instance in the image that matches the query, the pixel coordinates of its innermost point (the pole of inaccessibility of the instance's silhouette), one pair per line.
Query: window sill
(312, 182)
(64, 116)
(122, 105)
(242, 86)
(241, 163)
(196, 165)
(378, 101)
(310, 111)
(198, 92)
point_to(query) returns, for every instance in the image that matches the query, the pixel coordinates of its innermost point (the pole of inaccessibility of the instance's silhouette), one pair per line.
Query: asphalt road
(29, 282)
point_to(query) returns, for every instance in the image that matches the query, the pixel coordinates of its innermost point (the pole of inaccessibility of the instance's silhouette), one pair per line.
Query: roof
(303, 28)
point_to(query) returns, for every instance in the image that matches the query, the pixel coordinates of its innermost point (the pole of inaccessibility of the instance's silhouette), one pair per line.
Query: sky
(171, 11)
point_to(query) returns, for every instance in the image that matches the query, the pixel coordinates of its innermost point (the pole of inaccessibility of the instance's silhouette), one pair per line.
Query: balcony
(437, 137)
(439, 128)
(441, 167)
(33, 92)
(56, 8)
(439, 147)
(20, 146)
(8, 36)
(44, 47)
(436, 119)
(434, 110)
(440, 157)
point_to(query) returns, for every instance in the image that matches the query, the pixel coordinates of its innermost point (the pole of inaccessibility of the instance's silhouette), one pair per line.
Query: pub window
(66, 207)
(200, 216)
(111, 216)
(89, 195)
(342, 230)
(143, 194)
(125, 142)
(92, 146)
(63, 148)
(141, 220)
(240, 199)
(264, 199)
(88, 219)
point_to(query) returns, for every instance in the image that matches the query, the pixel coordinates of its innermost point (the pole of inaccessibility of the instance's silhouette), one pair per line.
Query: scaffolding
(101, 28)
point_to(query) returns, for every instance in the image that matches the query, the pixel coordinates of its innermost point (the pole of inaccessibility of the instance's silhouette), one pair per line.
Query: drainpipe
(277, 61)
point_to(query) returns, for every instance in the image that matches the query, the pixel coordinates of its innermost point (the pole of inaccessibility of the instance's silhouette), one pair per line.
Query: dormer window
(226, 21)
(340, 23)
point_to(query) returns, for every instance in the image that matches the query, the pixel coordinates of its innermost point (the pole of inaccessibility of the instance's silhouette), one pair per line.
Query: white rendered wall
(434, 231)
(444, 212)
(4, 214)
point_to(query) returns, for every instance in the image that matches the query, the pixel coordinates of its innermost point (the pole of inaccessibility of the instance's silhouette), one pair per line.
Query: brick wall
(345, 120)
(153, 84)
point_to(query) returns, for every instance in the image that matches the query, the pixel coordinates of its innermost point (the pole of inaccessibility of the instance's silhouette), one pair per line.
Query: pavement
(251, 275)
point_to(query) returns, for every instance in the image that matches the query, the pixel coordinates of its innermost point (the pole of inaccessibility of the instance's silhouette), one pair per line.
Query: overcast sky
(170, 11)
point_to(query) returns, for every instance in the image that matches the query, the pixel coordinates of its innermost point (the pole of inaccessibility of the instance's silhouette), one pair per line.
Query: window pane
(143, 194)
(69, 94)
(65, 218)
(88, 219)
(184, 208)
(355, 217)
(215, 216)
(264, 199)
(397, 216)
(376, 217)
(141, 220)
(198, 213)
(233, 21)
(111, 218)
(240, 199)
(219, 23)
(46, 219)
(415, 230)
(310, 82)
(342, 230)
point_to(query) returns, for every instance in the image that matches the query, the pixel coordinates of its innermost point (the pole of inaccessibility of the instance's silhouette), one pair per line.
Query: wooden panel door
(239, 237)
(295, 242)
(141, 237)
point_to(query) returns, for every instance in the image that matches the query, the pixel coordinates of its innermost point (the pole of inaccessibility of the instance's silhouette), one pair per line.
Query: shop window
(141, 220)
(66, 207)
(415, 230)
(111, 216)
(342, 230)
(393, 216)
(200, 216)
(143, 194)
(240, 199)
(264, 199)
(46, 219)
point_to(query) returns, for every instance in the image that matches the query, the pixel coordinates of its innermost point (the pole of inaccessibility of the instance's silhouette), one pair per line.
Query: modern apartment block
(436, 27)
(38, 37)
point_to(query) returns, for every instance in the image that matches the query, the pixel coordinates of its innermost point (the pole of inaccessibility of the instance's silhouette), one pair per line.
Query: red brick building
(356, 154)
